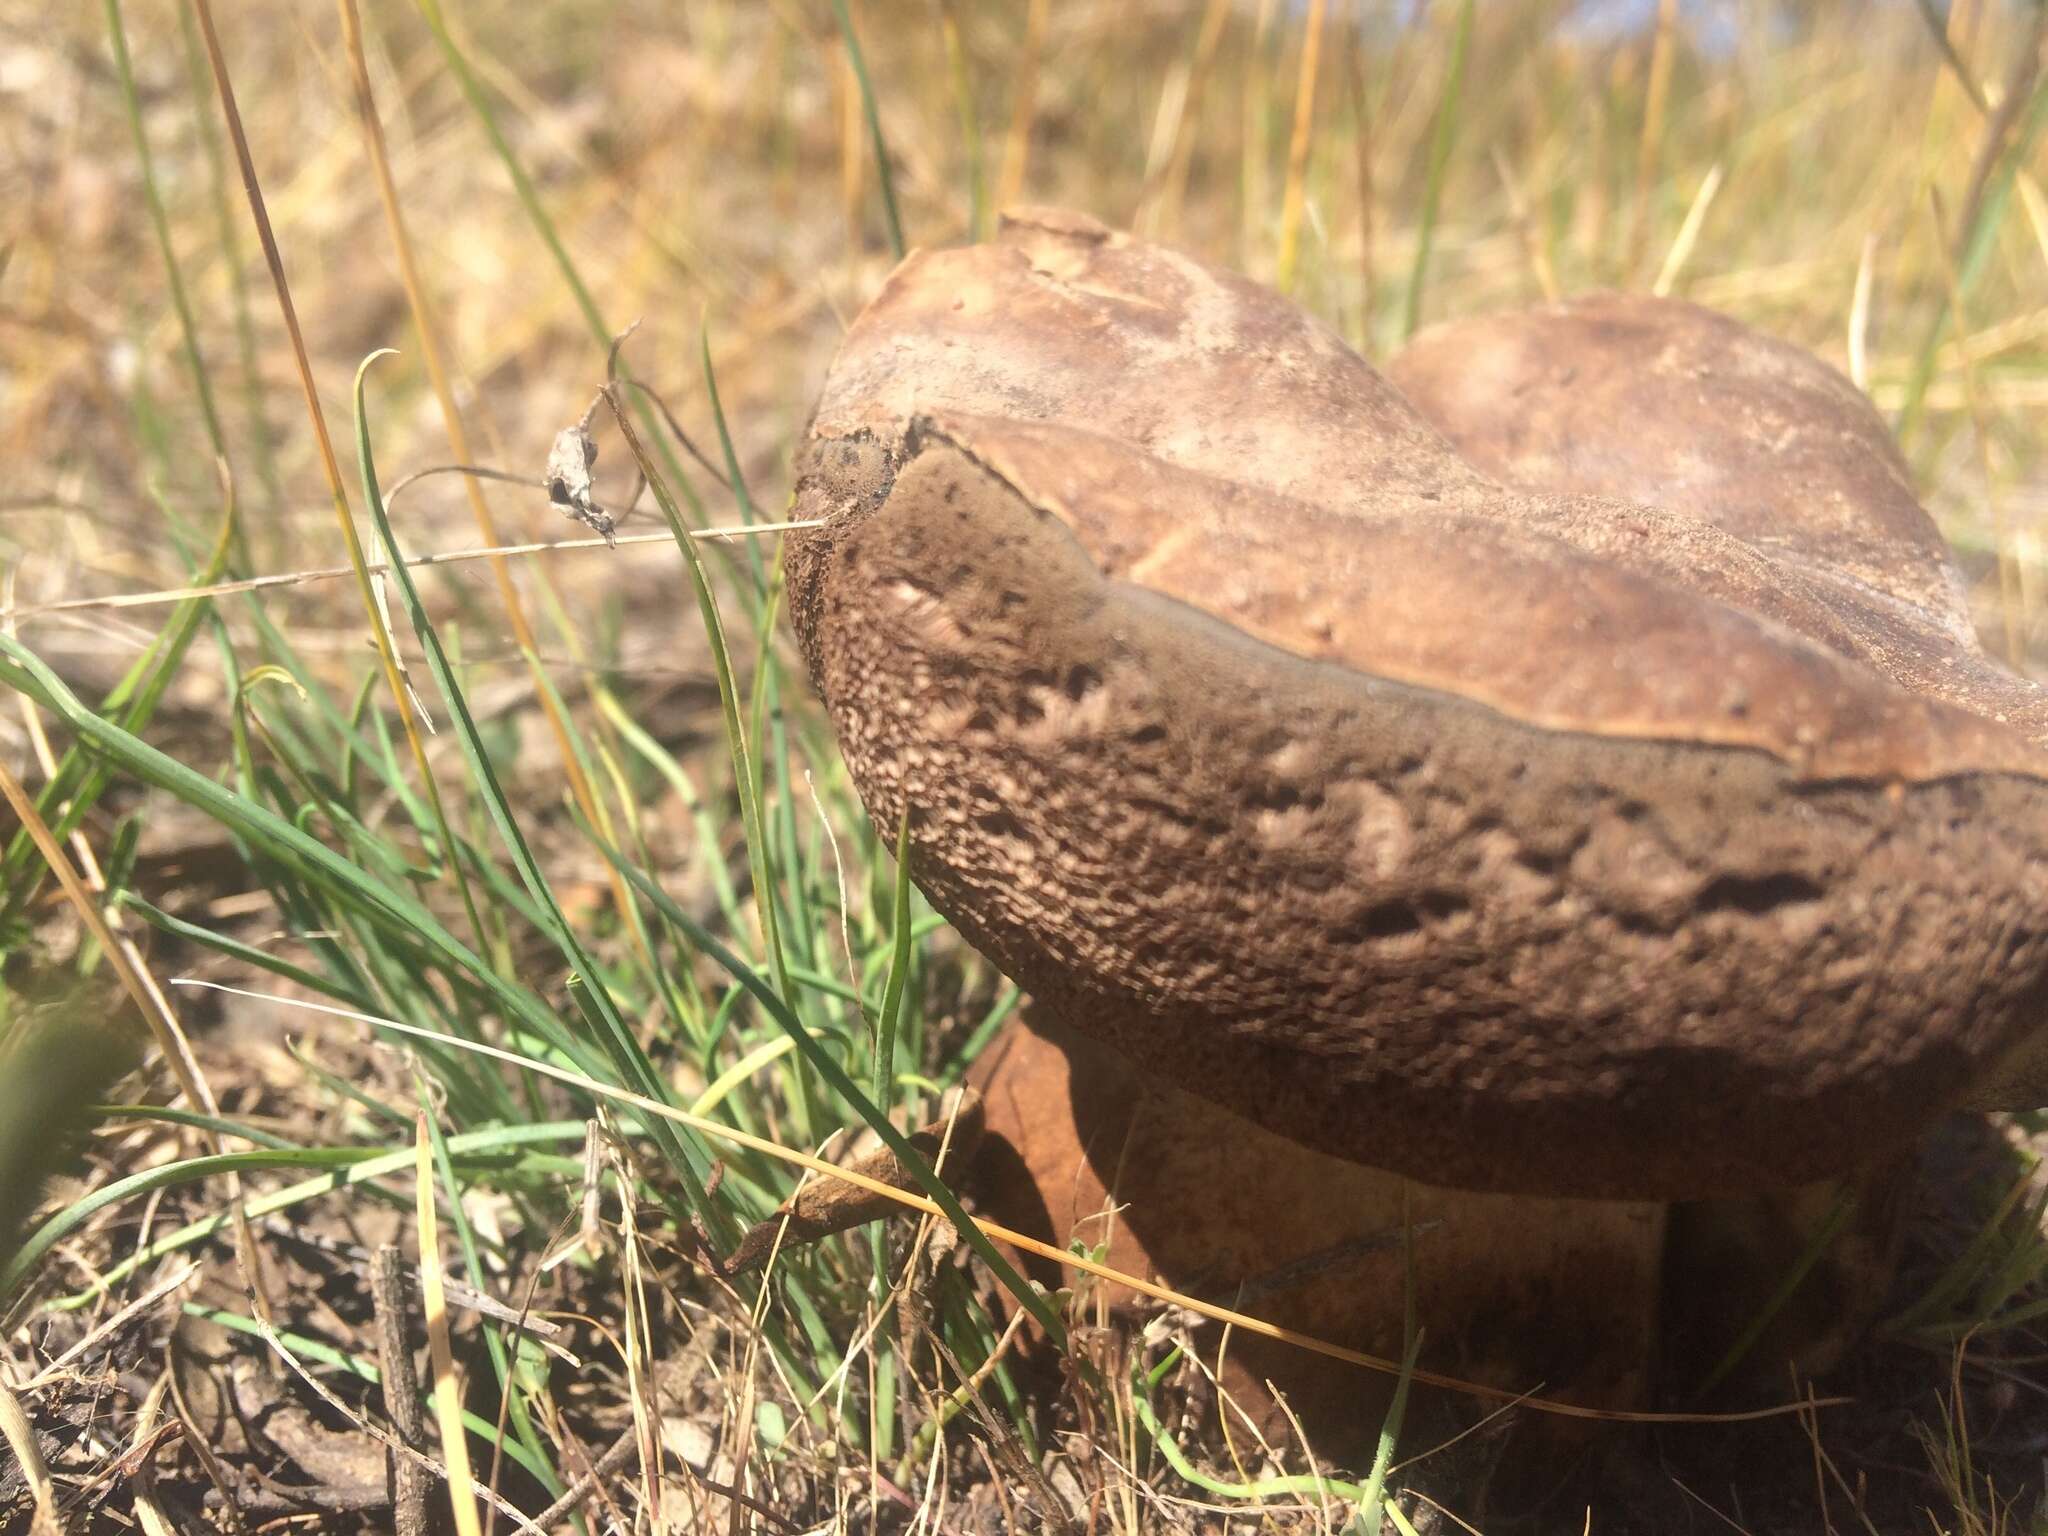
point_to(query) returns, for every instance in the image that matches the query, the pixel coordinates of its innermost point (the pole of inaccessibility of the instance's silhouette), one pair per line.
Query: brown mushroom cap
(1655, 400)
(1517, 841)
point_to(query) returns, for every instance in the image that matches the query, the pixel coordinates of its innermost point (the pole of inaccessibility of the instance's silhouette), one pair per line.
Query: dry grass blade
(1443, 135)
(1024, 105)
(1173, 189)
(1810, 1423)
(83, 892)
(1361, 107)
(139, 985)
(2000, 118)
(1688, 233)
(2011, 609)
(1295, 197)
(209, 1463)
(341, 1411)
(149, 1510)
(387, 651)
(20, 1436)
(1859, 314)
(434, 1301)
(1533, 247)
(1650, 144)
(473, 178)
(110, 1327)
(428, 331)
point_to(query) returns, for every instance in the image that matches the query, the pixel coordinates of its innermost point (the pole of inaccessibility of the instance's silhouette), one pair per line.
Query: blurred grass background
(638, 858)
(710, 160)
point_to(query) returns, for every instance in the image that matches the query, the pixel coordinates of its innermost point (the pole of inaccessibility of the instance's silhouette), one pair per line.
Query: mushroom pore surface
(1507, 839)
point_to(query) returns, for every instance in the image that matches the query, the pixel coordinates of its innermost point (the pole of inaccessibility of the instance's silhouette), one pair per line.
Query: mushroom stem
(1518, 1292)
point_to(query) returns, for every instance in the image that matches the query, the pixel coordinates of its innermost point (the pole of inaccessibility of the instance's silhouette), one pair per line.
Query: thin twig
(401, 1389)
(110, 1327)
(381, 1435)
(413, 562)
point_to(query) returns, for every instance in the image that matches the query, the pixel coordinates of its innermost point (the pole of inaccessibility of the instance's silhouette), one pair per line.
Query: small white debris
(568, 479)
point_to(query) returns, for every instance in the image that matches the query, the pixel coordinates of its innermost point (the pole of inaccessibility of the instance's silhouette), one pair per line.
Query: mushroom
(1602, 798)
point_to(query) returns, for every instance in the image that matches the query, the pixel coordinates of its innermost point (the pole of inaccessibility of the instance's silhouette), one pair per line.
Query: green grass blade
(758, 854)
(493, 1332)
(688, 1160)
(52, 1231)
(1442, 137)
(348, 1167)
(1975, 245)
(658, 757)
(328, 1355)
(278, 839)
(891, 1013)
(247, 954)
(1372, 1503)
(748, 515)
(76, 786)
(883, 173)
(167, 1114)
(1831, 1227)
(117, 37)
(200, 85)
(970, 124)
(1263, 1488)
(536, 212)
(872, 1114)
